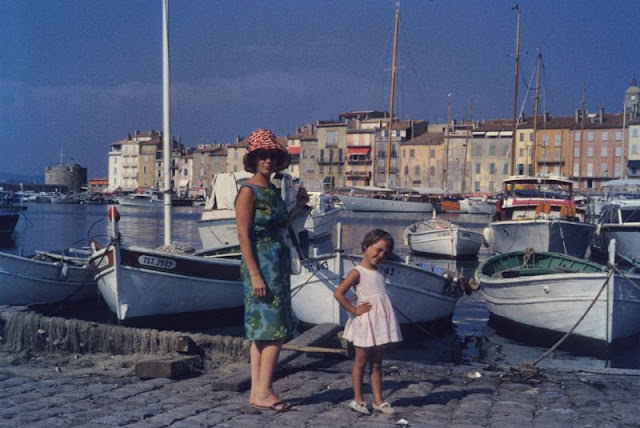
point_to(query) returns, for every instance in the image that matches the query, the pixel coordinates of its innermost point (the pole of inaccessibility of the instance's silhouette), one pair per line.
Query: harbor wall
(26, 330)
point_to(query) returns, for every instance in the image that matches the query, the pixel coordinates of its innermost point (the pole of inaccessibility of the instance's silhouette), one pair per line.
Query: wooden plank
(241, 381)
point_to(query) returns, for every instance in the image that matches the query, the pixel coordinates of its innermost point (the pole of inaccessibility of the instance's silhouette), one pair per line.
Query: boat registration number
(156, 262)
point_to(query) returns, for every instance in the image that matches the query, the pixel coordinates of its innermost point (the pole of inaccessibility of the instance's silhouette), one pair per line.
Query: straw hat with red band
(265, 140)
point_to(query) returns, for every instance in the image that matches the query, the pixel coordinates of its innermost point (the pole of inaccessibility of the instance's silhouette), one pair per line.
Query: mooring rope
(567, 334)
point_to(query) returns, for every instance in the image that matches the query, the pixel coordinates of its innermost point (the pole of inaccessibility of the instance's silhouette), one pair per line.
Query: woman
(262, 217)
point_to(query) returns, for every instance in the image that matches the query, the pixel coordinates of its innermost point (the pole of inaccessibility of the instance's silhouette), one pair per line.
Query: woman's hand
(302, 197)
(362, 308)
(258, 287)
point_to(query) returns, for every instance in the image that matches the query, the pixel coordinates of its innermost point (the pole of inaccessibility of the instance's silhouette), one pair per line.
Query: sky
(77, 75)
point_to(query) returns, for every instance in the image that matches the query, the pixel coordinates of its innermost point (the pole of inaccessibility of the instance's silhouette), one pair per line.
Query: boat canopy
(429, 190)
(527, 179)
(224, 187)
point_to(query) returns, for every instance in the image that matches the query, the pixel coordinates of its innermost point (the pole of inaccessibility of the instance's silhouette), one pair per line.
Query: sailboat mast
(466, 148)
(535, 118)
(166, 128)
(515, 95)
(445, 175)
(387, 163)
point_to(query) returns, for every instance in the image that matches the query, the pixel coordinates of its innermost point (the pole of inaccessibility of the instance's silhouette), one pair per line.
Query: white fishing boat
(539, 213)
(148, 198)
(442, 238)
(419, 293)
(478, 205)
(140, 282)
(382, 199)
(552, 291)
(45, 278)
(620, 220)
(320, 219)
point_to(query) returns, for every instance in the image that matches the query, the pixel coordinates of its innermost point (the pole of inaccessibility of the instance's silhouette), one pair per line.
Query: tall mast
(387, 164)
(535, 118)
(466, 147)
(445, 172)
(625, 149)
(166, 128)
(515, 94)
(584, 113)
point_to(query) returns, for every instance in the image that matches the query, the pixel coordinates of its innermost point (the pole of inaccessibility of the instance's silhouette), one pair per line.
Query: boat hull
(359, 203)
(450, 242)
(554, 235)
(138, 282)
(556, 302)
(418, 295)
(321, 224)
(26, 281)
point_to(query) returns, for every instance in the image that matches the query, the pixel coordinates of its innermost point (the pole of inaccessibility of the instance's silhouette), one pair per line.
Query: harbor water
(470, 338)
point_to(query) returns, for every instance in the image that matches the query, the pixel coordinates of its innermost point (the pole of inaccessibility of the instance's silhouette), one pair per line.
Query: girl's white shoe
(384, 408)
(359, 407)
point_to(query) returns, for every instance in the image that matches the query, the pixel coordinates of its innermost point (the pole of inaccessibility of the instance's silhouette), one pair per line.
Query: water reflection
(469, 338)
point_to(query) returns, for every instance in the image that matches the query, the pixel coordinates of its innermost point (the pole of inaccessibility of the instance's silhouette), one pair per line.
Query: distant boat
(552, 291)
(620, 220)
(144, 199)
(539, 213)
(478, 205)
(9, 214)
(382, 199)
(442, 238)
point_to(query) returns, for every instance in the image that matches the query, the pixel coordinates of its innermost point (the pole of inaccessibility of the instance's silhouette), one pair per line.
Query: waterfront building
(207, 160)
(294, 146)
(235, 154)
(490, 155)
(597, 149)
(422, 161)
(71, 177)
(524, 147)
(97, 185)
(633, 137)
(183, 175)
(123, 161)
(456, 164)
(553, 145)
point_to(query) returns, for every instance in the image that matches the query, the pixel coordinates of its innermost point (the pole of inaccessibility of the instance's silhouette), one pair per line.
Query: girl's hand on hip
(362, 308)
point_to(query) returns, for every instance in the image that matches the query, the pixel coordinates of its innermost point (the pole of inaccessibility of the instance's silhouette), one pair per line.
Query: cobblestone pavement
(41, 395)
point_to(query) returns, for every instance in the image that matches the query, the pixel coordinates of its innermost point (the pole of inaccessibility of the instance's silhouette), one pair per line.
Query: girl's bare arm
(351, 280)
(245, 207)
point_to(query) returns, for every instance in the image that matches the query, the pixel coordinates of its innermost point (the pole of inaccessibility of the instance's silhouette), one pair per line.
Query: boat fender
(63, 271)
(474, 284)
(464, 285)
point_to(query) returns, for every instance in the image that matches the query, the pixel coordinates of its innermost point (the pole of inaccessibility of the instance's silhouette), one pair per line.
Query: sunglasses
(268, 154)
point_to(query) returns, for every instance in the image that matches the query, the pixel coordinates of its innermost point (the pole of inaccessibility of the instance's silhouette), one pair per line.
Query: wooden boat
(442, 238)
(140, 282)
(539, 213)
(418, 294)
(552, 291)
(620, 220)
(45, 278)
(321, 218)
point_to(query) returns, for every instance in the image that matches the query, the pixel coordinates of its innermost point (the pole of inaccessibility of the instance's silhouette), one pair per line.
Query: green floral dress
(268, 317)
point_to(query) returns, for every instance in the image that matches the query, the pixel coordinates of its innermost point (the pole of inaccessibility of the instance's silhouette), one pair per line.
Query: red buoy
(113, 214)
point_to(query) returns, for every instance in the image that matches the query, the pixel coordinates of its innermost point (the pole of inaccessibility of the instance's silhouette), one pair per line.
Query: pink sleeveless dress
(379, 325)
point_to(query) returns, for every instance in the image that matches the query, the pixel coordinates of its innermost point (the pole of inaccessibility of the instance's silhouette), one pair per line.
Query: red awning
(294, 150)
(358, 150)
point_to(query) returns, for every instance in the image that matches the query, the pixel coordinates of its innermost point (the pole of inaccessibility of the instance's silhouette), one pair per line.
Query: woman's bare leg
(255, 353)
(262, 380)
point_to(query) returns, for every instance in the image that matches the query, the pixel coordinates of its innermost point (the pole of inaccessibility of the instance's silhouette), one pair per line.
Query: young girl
(372, 322)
